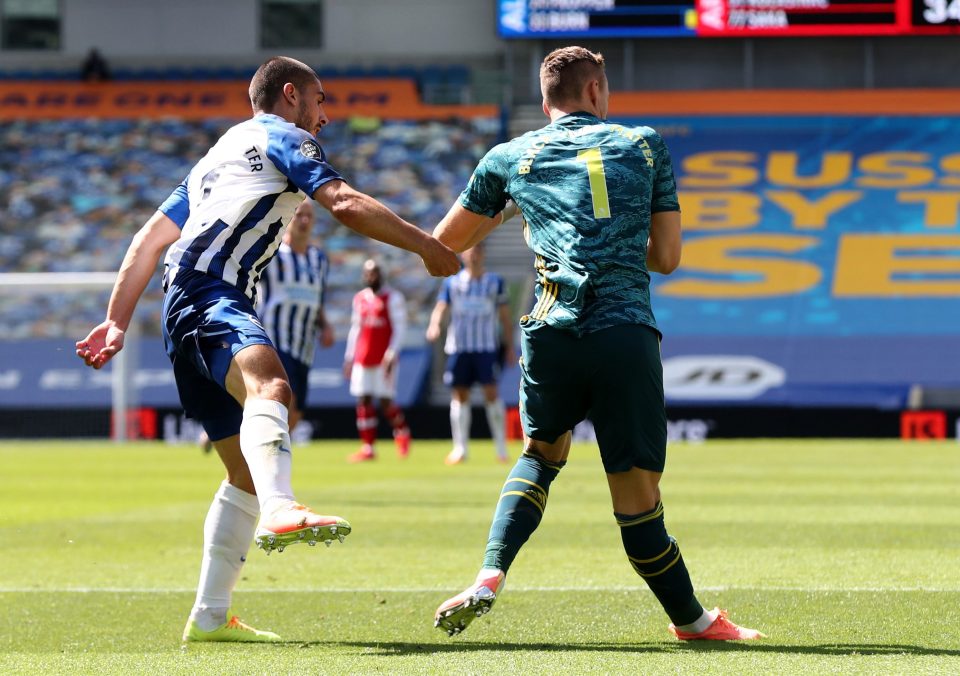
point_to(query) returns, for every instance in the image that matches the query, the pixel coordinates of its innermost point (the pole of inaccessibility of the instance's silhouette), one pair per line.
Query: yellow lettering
(765, 276)
(894, 173)
(812, 213)
(834, 170)
(868, 266)
(731, 210)
(939, 208)
(719, 170)
(951, 163)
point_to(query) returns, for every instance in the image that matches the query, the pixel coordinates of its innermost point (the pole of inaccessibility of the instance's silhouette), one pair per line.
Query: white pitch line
(440, 590)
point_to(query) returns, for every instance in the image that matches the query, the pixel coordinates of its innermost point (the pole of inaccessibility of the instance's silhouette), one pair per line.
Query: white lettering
(712, 14)
(695, 431)
(781, 4)
(10, 380)
(61, 379)
(154, 378)
(589, 5)
(559, 21)
(325, 378)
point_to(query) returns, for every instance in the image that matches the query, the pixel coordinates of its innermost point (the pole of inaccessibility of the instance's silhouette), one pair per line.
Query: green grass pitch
(846, 553)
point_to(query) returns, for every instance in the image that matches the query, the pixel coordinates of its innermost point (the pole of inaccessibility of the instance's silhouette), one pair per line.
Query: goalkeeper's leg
(518, 513)
(655, 556)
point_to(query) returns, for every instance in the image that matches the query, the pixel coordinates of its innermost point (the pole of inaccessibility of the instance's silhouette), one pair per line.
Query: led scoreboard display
(725, 18)
(826, 17)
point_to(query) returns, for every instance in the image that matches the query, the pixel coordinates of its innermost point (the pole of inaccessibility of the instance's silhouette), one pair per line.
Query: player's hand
(100, 345)
(439, 259)
(389, 363)
(433, 332)
(509, 356)
(347, 369)
(326, 336)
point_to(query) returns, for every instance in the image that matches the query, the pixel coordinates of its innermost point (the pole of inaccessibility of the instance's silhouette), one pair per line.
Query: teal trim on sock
(519, 510)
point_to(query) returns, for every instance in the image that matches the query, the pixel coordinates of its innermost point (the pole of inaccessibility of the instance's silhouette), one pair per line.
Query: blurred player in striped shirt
(479, 336)
(290, 304)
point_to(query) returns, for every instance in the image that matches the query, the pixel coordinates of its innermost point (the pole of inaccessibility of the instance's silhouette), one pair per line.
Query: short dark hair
(267, 83)
(565, 71)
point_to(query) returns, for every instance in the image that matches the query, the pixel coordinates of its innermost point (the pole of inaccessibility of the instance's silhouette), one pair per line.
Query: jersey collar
(576, 117)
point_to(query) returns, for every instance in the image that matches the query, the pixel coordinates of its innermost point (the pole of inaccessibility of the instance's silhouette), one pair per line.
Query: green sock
(656, 558)
(521, 505)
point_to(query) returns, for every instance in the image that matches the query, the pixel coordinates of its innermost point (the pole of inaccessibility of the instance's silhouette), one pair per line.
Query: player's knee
(555, 452)
(634, 491)
(277, 389)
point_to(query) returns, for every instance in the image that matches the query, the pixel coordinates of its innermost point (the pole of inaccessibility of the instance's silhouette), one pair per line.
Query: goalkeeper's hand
(101, 344)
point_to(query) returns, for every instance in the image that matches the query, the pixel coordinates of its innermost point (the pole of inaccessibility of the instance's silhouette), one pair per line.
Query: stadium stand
(100, 179)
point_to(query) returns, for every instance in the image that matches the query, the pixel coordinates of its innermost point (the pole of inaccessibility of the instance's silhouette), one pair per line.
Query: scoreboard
(725, 18)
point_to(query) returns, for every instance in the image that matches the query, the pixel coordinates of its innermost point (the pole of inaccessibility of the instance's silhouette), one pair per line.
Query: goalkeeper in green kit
(600, 211)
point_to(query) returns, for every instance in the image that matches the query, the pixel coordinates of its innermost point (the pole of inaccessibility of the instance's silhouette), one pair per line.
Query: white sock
(487, 573)
(460, 425)
(700, 624)
(496, 417)
(227, 532)
(265, 443)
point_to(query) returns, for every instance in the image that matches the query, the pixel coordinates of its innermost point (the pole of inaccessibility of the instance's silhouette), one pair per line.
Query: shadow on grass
(838, 649)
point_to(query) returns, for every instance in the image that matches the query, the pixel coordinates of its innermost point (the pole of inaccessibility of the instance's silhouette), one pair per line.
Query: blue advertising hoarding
(47, 374)
(821, 260)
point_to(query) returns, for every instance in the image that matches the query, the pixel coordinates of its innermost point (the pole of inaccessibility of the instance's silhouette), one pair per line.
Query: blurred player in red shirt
(377, 326)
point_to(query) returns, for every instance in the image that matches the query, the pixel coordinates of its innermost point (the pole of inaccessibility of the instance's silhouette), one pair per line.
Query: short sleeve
(323, 267)
(502, 297)
(664, 196)
(177, 206)
(444, 295)
(486, 192)
(299, 157)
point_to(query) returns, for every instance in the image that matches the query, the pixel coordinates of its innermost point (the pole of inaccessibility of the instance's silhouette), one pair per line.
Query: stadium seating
(73, 192)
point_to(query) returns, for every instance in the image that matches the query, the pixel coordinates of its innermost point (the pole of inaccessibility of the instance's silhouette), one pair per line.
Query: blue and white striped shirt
(235, 202)
(290, 298)
(474, 317)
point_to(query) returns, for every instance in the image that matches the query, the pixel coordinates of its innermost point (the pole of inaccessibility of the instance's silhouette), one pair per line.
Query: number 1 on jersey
(598, 181)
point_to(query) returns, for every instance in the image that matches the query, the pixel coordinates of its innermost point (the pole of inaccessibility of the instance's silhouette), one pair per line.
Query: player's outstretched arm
(366, 216)
(326, 336)
(437, 318)
(461, 228)
(663, 250)
(139, 264)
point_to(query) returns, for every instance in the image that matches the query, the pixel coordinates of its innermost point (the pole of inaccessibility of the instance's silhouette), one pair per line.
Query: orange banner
(387, 98)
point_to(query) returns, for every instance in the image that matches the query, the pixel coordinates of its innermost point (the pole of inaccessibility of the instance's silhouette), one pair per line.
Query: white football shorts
(372, 381)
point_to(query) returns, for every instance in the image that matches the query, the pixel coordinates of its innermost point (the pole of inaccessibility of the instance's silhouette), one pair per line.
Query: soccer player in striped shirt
(224, 223)
(600, 211)
(476, 302)
(290, 304)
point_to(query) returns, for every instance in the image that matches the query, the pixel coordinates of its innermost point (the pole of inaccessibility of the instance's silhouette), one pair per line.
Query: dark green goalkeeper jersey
(586, 189)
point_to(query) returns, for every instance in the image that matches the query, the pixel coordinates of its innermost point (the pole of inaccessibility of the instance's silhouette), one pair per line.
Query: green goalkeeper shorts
(612, 377)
